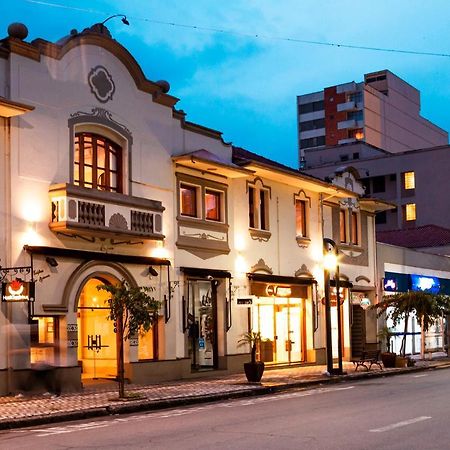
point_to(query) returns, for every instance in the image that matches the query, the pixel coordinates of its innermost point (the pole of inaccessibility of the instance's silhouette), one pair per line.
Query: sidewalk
(101, 400)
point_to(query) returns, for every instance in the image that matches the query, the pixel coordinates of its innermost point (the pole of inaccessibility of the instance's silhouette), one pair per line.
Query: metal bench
(367, 359)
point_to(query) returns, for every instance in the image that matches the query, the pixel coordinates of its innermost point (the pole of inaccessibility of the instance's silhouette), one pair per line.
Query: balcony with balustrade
(91, 213)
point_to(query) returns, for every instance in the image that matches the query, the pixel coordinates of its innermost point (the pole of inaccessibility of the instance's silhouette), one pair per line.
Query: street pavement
(102, 399)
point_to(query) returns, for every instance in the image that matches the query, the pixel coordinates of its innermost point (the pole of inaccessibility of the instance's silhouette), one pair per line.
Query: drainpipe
(6, 240)
(278, 235)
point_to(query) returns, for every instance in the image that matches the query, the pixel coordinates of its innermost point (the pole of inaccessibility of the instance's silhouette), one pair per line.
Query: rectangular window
(188, 200)
(310, 107)
(258, 208)
(312, 142)
(381, 218)
(264, 220)
(355, 97)
(43, 339)
(378, 184)
(212, 205)
(366, 184)
(410, 211)
(409, 180)
(342, 226)
(354, 230)
(300, 218)
(251, 208)
(355, 115)
(312, 125)
(357, 134)
(148, 343)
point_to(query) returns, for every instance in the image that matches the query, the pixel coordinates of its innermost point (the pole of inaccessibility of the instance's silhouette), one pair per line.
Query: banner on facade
(18, 291)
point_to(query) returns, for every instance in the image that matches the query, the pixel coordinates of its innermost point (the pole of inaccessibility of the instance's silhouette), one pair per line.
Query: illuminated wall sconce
(364, 303)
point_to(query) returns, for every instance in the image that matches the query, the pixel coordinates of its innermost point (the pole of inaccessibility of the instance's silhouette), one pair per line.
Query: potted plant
(254, 369)
(388, 358)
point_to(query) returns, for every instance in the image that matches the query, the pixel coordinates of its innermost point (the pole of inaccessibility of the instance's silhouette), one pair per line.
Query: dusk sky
(246, 86)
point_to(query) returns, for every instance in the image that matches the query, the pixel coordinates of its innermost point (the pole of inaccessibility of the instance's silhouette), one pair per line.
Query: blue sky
(245, 86)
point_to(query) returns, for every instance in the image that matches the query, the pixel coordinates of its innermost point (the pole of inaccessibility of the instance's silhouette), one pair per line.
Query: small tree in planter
(254, 369)
(134, 311)
(387, 357)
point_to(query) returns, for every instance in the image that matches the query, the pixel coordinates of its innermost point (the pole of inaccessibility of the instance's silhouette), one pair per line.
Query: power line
(253, 36)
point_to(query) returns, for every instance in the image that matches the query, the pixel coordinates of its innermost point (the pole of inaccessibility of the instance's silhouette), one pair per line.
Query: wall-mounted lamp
(51, 261)
(152, 272)
(364, 303)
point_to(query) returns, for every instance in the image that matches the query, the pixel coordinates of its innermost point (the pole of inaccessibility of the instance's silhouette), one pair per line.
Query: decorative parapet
(87, 212)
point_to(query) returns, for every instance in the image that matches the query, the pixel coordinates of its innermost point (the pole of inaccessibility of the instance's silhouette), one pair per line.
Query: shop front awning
(95, 256)
(266, 285)
(204, 273)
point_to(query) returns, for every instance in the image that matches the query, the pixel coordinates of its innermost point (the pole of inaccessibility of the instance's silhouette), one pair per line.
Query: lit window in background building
(357, 134)
(410, 181)
(411, 211)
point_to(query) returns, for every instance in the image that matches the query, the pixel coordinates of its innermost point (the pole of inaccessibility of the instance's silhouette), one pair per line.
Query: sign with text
(18, 291)
(248, 301)
(278, 290)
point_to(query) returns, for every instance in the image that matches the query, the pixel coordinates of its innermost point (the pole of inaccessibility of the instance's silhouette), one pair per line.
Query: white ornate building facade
(104, 180)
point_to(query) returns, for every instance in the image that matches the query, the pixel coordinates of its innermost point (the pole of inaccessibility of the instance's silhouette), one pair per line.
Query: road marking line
(420, 376)
(400, 424)
(44, 432)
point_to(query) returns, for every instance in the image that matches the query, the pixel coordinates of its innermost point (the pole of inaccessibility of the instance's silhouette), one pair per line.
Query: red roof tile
(420, 237)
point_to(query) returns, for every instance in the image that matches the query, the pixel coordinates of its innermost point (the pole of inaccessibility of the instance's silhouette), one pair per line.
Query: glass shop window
(44, 337)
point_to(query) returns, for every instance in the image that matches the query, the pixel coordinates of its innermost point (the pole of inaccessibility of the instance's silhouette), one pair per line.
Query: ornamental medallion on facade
(101, 84)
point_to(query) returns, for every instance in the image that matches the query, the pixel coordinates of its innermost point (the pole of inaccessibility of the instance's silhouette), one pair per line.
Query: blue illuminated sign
(425, 283)
(390, 285)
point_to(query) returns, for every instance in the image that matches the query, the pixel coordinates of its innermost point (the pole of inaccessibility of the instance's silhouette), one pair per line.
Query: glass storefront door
(97, 349)
(279, 320)
(202, 329)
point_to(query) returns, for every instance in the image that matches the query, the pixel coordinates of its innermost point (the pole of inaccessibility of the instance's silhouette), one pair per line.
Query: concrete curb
(133, 406)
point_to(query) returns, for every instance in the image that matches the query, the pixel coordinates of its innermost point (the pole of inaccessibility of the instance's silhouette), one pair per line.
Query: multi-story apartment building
(104, 180)
(416, 181)
(383, 111)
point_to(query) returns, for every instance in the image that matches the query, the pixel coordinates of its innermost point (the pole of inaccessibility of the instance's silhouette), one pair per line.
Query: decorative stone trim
(303, 242)
(260, 235)
(362, 278)
(351, 250)
(303, 272)
(261, 266)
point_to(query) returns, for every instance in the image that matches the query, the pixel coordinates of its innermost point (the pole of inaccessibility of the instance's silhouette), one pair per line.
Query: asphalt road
(409, 411)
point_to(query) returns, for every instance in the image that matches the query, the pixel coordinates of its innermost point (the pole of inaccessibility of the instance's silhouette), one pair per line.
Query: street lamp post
(330, 254)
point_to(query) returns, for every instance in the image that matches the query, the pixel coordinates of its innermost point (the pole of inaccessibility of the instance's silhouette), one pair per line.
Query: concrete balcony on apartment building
(91, 213)
(350, 124)
(346, 87)
(349, 106)
(347, 141)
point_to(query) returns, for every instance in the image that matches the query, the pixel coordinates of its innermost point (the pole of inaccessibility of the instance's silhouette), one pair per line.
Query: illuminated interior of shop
(43, 340)
(97, 346)
(279, 320)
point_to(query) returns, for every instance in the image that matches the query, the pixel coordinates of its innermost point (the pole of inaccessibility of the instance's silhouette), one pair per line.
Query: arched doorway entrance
(97, 341)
